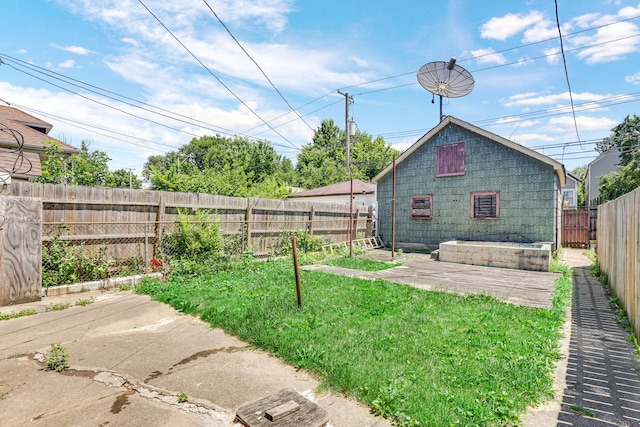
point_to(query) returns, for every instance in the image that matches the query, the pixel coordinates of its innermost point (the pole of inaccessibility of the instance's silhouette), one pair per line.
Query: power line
(511, 49)
(107, 93)
(257, 65)
(214, 75)
(532, 115)
(62, 77)
(493, 67)
(566, 72)
(104, 104)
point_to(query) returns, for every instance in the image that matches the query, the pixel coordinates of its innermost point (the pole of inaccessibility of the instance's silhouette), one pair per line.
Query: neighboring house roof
(557, 166)
(605, 163)
(18, 127)
(341, 188)
(605, 155)
(26, 165)
(573, 177)
(34, 131)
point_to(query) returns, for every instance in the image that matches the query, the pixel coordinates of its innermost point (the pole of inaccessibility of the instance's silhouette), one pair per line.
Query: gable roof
(557, 166)
(34, 131)
(339, 189)
(574, 177)
(610, 152)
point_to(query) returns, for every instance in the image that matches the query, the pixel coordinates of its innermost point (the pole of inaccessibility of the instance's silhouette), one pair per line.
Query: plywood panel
(21, 250)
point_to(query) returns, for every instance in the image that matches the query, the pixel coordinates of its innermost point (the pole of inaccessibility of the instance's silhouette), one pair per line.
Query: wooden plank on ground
(283, 403)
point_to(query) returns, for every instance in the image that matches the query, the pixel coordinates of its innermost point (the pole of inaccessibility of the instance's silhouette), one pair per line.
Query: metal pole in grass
(351, 217)
(297, 270)
(393, 211)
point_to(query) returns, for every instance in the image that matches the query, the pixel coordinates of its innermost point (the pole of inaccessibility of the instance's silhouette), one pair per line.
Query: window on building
(421, 207)
(485, 205)
(450, 161)
(569, 197)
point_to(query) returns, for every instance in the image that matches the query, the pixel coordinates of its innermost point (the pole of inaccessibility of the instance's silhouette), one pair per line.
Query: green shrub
(64, 262)
(305, 242)
(195, 239)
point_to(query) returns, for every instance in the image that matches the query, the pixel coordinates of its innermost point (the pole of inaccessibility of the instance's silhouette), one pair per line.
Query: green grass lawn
(417, 357)
(363, 264)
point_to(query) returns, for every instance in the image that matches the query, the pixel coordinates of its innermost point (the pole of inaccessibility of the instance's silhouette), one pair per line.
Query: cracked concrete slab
(131, 359)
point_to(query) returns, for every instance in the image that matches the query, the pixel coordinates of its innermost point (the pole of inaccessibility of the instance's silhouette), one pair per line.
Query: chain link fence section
(86, 251)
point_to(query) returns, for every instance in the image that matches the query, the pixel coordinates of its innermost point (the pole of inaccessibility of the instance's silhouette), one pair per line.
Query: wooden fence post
(159, 225)
(312, 217)
(247, 221)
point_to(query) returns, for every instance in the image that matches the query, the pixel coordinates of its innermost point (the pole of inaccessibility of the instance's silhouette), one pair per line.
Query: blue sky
(121, 58)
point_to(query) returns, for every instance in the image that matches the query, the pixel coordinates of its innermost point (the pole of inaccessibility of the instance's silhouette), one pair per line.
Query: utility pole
(347, 100)
(130, 178)
(347, 132)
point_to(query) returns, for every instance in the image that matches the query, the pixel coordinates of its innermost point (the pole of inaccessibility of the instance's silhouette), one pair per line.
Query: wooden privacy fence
(130, 225)
(575, 228)
(619, 251)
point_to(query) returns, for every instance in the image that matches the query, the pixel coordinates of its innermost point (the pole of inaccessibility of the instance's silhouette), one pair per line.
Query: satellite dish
(446, 79)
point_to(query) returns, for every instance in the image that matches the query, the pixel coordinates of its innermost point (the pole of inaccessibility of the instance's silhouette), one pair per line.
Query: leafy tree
(54, 165)
(580, 172)
(625, 136)
(87, 167)
(371, 156)
(123, 178)
(622, 181)
(226, 166)
(323, 161)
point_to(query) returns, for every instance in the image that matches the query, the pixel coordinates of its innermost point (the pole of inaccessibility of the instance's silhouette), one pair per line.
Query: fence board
(575, 228)
(20, 250)
(619, 252)
(101, 208)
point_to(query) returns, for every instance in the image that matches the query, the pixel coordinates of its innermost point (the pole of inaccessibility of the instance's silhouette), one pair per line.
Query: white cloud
(360, 62)
(22, 52)
(501, 28)
(69, 63)
(558, 99)
(585, 123)
(130, 41)
(634, 79)
(517, 122)
(608, 43)
(403, 145)
(553, 55)
(527, 138)
(271, 13)
(629, 12)
(543, 30)
(488, 56)
(612, 41)
(78, 50)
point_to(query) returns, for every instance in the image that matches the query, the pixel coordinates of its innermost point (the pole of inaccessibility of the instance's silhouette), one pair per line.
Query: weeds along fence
(619, 252)
(90, 233)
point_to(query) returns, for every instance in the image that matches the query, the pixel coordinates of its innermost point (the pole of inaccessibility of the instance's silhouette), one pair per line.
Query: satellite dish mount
(446, 79)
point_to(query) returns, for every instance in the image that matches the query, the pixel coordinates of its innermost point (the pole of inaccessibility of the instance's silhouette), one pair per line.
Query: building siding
(605, 163)
(527, 189)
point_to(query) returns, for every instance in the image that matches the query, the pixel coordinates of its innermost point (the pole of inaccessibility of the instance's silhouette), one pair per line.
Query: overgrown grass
(57, 307)
(363, 264)
(417, 357)
(15, 315)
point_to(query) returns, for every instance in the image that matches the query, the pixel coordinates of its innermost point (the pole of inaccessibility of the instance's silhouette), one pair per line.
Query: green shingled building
(461, 182)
